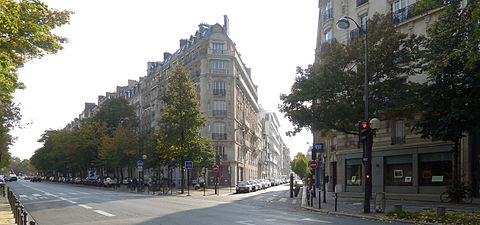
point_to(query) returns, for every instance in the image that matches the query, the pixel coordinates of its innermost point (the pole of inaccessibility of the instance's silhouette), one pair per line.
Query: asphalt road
(53, 203)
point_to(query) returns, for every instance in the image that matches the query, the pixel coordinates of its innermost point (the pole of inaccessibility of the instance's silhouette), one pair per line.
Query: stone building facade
(402, 162)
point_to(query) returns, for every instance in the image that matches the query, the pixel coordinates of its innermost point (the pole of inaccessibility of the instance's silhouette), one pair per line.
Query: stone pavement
(6, 215)
(351, 204)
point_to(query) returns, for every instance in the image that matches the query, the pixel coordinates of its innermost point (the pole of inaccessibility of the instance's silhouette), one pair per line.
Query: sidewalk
(351, 204)
(6, 215)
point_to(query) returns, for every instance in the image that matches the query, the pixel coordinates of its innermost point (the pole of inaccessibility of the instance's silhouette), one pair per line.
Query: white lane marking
(320, 221)
(248, 222)
(61, 193)
(84, 206)
(22, 196)
(294, 201)
(270, 220)
(36, 195)
(103, 213)
(357, 203)
(258, 198)
(74, 193)
(270, 199)
(283, 200)
(85, 193)
(73, 202)
(62, 198)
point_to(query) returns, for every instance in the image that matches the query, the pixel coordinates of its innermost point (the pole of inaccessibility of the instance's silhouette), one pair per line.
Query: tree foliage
(329, 95)
(178, 137)
(25, 33)
(299, 165)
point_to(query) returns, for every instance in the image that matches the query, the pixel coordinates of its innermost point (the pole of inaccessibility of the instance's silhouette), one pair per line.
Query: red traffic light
(367, 176)
(365, 125)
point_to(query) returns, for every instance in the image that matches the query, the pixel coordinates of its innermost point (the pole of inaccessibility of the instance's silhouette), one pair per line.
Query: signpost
(215, 169)
(319, 147)
(188, 166)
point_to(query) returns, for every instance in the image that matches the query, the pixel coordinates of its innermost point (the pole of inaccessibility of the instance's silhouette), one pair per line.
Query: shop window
(398, 170)
(354, 172)
(435, 169)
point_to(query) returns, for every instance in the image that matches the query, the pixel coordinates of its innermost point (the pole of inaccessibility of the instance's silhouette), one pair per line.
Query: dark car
(35, 179)
(12, 179)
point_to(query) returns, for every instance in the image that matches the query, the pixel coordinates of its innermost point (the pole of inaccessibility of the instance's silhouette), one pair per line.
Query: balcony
(328, 14)
(361, 2)
(219, 136)
(219, 71)
(416, 9)
(212, 51)
(221, 113)
(219, 92)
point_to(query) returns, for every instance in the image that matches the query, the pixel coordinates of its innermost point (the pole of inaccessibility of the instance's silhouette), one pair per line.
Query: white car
(244, 186)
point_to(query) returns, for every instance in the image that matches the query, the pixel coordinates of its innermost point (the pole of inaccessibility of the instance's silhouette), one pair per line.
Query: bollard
(319, 199)
(440, 211)
(336, 201)
(291, 185)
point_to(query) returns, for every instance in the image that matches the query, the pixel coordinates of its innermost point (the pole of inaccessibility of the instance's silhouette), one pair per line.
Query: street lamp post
(343, 24)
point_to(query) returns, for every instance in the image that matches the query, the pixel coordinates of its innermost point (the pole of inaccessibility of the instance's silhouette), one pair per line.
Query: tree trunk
(456, 161)
(183, 178)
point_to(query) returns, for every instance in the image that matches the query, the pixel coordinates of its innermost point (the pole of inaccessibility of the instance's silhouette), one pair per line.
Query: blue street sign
(319, 147)
(188, 164)
(139, 163)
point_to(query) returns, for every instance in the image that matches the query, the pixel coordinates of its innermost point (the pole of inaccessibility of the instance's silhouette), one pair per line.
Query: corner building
(402, 162)
(226, 93)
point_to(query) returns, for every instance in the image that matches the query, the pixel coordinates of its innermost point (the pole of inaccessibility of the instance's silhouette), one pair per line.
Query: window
(218, 49)
(354, 172)
(435, 169)
(219, 108)
(220, 152)
(399, 11)
(363, 22)
(328, 36)
(328, 11)
(219, 132)
(398, 170)
(218, 66)
(398, 132)
(361, 2)
(219, 88)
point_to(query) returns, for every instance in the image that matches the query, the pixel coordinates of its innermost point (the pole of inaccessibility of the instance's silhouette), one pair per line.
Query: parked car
(36, 179)
(14, 178)
(256, 185)
(272, 182)
(2, 183)
(244, 186)
(108, 182)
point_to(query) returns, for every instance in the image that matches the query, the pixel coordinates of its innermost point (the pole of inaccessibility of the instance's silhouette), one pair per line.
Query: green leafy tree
(25, 33)
(178, 137)
(299, 165)
(329, 95)
(451, 97)
(113, 112)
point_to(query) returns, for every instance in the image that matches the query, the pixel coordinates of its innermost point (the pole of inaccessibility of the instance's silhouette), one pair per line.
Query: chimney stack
(226, 24)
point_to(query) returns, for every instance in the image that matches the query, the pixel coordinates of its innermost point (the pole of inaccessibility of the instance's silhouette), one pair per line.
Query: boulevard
(55, 203)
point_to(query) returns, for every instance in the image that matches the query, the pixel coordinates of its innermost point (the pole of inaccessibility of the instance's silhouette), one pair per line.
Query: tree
(329, 95)
(178, 136)
(299, 165)
(25, 33)
(113, 112)
(451, 97)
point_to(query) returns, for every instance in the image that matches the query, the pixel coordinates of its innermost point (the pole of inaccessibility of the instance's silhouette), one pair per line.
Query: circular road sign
(313, 164)
(215, 168)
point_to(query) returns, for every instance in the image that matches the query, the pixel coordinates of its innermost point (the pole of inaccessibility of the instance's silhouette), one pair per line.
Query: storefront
(410, 170)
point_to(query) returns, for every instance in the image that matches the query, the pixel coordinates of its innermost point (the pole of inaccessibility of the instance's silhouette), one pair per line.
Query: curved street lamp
(344, 24)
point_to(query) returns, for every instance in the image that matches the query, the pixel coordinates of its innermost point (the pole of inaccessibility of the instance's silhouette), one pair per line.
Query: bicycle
(457, 193)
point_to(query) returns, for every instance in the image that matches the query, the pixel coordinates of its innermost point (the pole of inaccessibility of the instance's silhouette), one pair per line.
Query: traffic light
(367, 176)
(314, 154)
(364, 131)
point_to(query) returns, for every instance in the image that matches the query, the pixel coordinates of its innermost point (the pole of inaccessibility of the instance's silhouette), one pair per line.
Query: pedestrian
(309, 184)
(134, 183)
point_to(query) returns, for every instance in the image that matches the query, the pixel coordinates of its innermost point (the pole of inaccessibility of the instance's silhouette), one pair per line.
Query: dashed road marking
(314, 220)
(22, 196)
(36, 195)
(61, 193)
(258, 198)
(103, 213)
(84, 206)
(85, 193)
(248, 222)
